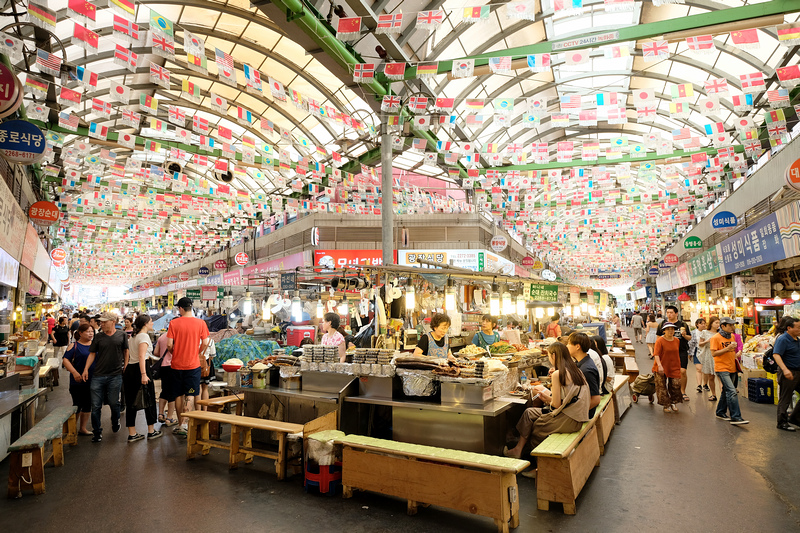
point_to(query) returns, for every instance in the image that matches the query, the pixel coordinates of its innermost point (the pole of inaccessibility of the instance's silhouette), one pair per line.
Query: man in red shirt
(187, 339)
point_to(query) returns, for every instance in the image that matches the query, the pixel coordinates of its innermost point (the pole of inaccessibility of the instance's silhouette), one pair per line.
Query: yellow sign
(143, 306)
(603, 300)
(702, 296)
(740, 311)
(170, 299)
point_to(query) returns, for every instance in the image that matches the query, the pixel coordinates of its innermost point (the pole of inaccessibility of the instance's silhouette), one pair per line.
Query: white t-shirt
(133, 356)
(595, 357)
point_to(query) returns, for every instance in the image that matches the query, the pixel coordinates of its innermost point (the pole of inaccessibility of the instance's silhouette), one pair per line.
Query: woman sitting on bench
(568, 402)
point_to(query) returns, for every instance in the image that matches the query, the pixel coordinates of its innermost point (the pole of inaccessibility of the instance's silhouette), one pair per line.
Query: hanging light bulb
(320, 309)
(551, 311)
(759, 308)
(494, 301)
(411, 298)
(449, 297)
(266, 314)
(584, 307)
(508, 304)
(521, 307)
(745, 300)
(540, 312)
(246, 304)
(778, 300)
(795, 296)
(297, 307)
(343, 308)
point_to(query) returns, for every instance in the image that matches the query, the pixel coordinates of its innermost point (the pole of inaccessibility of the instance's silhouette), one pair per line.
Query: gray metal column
(387, 202)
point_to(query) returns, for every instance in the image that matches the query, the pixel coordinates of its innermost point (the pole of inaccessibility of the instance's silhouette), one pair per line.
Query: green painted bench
(26, 469)
(479, 484)
(564, 462)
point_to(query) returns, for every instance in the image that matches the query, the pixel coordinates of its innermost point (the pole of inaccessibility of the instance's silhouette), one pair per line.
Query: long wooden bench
(424, 475)
(28, 457)
(604, 420)
(564, 462)
(216, 405)
(239, 449)
(631, 368)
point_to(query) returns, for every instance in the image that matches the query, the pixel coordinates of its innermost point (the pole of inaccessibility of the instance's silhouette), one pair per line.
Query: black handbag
(155, 369)
(143, 399)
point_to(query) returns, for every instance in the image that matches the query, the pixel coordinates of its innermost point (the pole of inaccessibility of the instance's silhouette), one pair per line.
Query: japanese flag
(128, 140)
(277, 89)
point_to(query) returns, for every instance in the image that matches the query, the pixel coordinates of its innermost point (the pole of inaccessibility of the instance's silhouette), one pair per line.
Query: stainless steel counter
(295, 393)
(491, 408)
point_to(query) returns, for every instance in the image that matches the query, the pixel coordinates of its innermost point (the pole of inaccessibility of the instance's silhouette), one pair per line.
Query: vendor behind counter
(436, 343)
(487, 335)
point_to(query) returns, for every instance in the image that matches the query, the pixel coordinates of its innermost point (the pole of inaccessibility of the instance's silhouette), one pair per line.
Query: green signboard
(693, 243)
(704, 267)
(544, 293)
(194, 294)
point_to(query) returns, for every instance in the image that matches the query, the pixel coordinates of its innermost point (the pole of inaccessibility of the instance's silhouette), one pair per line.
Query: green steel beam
(641, 31)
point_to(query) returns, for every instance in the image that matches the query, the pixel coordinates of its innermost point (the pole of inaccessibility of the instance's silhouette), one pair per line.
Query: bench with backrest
(217, 405)
(240, 447)
(27, 454)
(476, 483)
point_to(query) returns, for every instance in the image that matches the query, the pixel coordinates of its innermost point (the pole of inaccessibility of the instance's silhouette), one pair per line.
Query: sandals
(161, 419)
(685, 397)
(712, 398)
(699, 389)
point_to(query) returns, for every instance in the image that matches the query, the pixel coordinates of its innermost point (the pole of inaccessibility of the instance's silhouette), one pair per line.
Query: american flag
(572, 101)
(500, 64)
(390, 22)
(225, 64)
(780, 95)
(48, 62)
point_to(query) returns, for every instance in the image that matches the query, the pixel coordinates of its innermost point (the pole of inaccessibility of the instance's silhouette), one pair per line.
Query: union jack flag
(775, 130)
(131, 118)
(655, 49)
(389, 23)
(430, 18)
(164, 44)
(753, 146)
(159, 75)
(177, 115)
(716, 86)
(390, 103)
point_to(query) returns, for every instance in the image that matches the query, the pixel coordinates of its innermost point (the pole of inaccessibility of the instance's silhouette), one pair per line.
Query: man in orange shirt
(187, 339)
(723, 348)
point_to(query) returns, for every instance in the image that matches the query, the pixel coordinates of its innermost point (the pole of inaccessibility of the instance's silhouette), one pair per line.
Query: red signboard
(43, 213)
(173, 279)
(671, 259)
(184, 276)
(340, 258)
(220, 264)
(773, 301)
(58, 254)
(528, 261)
(241, 259)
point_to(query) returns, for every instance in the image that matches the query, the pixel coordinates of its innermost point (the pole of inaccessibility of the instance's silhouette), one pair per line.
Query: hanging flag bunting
(537, 105)
(277, 89)
(159, 75)
(418, 103)
(703, 44)
(162, 46)
(503, 106)
(463, 68)
(160, 25)
(616, 52)
(615, 6)
(742, 102)
(778, 99)
(193, 44)
(743, 123)
(745, 39)
(12, 47)
(198, 63)
(244, 116)
(176, 115)
(126, 29)
(395, 71)
(85, 38)
(471, 15)
(587, 117)
(390, 103)
(68, 121)
(101, 107)
(708, 105)
(183, 135)
(654, 50)
(539, 62)
(559, 120)
(422, 122)
(521, 9)
(252, 78)
(131, 118)
(96, 131)
(752, 82)
(148, 104)
(445, 105)
(86, 78)
(430, 20)
(82, 10)
(219, 103)
(152, 146)
(789, 34)
(68, 97)
(37, 112)
(126, 8)
(500, 65)
(348, 29)
(716, 86)
(126, 58)
(227, 73)
(682, 92)
(363, 72)
(617, 115)
(190, 91)
(40, 16)
(576, 57)
(568, 7)
(389, 23)
(789, 76)
(427, 70)
(158, 125)
(48, 63)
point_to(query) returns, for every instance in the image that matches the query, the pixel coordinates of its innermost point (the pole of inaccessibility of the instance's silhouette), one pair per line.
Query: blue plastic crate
(760, 390)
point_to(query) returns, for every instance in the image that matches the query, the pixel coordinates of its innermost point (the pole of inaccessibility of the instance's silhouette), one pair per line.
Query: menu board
(30, 248)
(12, 223)
(544, 293)
(9, 269)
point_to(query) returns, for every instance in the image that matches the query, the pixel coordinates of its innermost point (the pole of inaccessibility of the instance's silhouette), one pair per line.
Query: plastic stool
(327, 478)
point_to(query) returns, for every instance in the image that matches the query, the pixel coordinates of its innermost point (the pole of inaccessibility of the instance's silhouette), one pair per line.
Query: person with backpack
(786, 356)
(553, 328)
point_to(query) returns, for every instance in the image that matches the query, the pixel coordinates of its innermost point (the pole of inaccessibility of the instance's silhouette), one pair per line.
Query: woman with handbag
(139, 389)
(568, 401)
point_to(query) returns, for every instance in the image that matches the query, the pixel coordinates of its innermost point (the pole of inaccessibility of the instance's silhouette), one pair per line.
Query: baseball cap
(726, 320)
(107, 316)
(185, 303)
(666, 325)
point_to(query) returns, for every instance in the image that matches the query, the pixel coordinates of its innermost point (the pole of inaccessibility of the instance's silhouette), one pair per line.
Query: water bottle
(523, 379)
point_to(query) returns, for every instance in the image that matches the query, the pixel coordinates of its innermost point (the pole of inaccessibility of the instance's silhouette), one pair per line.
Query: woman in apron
(436, 343)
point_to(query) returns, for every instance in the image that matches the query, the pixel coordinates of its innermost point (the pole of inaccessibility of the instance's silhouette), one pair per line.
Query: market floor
(661, 472)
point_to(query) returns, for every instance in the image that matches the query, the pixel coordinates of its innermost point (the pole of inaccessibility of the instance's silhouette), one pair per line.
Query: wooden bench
(216, 405)
(198, 441)
(424, 475)
(564, 463)
(622, 396)
(604, 420)
(26, 469)
(631, 369)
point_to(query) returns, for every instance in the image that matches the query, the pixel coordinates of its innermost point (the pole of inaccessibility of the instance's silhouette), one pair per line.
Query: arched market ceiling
(556, 213)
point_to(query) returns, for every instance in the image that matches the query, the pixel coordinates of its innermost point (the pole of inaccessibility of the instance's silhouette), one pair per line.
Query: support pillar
(387, 202)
